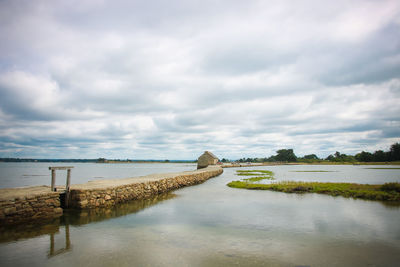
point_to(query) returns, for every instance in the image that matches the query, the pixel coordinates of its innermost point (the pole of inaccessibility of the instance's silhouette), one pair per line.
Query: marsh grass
(249, 174)
(254, 172)
(259, 175)
(383, 168)
(387, 192)
(258, 178)
(313, 171)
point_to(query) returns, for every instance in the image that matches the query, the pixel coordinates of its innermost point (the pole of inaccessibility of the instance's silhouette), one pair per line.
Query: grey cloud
(178, 77)
(370, 62)
(241, 60)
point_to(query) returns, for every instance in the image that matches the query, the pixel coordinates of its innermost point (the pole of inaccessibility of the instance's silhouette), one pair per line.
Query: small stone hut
(206, 159)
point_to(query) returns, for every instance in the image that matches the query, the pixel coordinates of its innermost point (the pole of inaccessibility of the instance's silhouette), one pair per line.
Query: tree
(330, 158)
(380, 156)
(286, 155)
(364, 156)
(338, 157)
(101, 160)
(270, 159)
(395, 152)
(311, 156)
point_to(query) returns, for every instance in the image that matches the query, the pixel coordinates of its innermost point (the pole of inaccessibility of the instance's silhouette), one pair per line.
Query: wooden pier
(67, 184)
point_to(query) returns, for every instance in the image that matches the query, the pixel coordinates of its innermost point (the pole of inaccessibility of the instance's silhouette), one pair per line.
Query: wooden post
(52, 244)
(53, 180)
(67, 239)
(67, 186)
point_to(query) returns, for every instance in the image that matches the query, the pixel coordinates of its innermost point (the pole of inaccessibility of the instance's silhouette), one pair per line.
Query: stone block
(10, 210)
(58, 210)
(83, 203)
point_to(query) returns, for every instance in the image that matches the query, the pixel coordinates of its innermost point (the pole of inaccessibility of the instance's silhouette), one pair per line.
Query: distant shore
(250, 164)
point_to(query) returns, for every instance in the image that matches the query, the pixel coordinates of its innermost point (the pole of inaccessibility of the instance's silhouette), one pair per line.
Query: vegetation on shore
(378, 157)
(258, 178)
(254, 172)
(387, 191)
(313, 171)
(258, 175)
(383, 168)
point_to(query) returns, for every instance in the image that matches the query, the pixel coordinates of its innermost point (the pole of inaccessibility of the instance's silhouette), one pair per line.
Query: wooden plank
(61, 168)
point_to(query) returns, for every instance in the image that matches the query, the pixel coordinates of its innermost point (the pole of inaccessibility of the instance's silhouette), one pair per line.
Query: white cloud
(130, 79)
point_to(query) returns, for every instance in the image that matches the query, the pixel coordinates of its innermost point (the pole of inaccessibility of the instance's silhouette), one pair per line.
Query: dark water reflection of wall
(81, 217)
(54, 228)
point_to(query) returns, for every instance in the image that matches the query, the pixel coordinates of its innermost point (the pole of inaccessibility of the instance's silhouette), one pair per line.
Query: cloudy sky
(172, 78)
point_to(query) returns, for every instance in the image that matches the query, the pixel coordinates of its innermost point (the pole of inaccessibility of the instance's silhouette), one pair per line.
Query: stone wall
(32, 204)
(106, 197)
(31, 207)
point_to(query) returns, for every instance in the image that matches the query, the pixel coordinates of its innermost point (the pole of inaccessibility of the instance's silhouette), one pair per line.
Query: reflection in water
(81, 217)
(395, 205)
(25, 231)
(74, 218)
(67, 247)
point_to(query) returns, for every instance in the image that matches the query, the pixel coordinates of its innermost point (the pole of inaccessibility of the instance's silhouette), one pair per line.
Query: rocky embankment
(107, 193)
(38, 203)
(29, 203)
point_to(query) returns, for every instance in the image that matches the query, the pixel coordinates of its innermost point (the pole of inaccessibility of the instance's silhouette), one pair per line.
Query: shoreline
(387, 192)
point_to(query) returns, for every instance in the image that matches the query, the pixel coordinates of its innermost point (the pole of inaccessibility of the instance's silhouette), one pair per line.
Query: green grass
(313, 171)
(383, 168)
(254, 172)
(258, 178)
(249, 174)
(387, 192)
(259, 175)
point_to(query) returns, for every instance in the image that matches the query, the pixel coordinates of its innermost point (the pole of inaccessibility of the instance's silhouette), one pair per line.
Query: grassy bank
(387, 192)
(383, 168)
(254, 172)
(313, 171)
(325, 162)
(257, 175)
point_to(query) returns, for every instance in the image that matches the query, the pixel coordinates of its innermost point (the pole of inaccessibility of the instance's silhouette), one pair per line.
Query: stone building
(206, 159)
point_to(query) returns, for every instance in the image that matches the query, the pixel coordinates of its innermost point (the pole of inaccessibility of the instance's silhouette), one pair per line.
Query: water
(214, 225)
(28, 174)
(362, 174)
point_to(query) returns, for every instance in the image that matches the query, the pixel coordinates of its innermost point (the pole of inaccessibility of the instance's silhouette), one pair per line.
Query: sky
(169, 79)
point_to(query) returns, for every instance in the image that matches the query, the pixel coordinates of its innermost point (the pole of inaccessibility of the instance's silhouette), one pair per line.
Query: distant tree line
(380, 156)
(288, 155)
(282, 155)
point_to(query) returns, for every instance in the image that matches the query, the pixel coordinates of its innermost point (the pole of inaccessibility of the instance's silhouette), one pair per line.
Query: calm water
(214, 225)
(27, 174)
